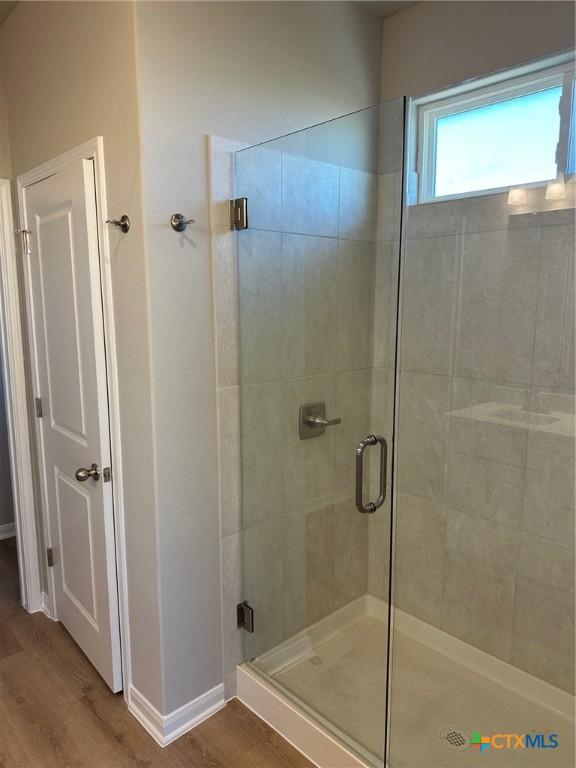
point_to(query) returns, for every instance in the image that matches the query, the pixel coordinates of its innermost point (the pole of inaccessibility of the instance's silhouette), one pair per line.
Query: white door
(65, 311)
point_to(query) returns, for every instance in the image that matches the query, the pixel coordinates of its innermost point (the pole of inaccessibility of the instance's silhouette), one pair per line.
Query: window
(505, 131)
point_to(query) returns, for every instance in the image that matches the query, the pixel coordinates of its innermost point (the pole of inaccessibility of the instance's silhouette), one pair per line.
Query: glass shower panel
(317, 286)
(483, 641)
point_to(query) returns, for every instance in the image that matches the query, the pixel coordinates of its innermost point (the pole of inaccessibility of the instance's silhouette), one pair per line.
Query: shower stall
(406, 389)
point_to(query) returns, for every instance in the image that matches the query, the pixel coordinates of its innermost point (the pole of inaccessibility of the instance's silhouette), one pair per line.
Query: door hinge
(107, 474)
(25, 239)
(245, 617)
(50, 557)
(38, 406)
(239, 213)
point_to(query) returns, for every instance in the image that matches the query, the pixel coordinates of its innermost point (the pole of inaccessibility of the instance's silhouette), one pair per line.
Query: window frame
(425, 111)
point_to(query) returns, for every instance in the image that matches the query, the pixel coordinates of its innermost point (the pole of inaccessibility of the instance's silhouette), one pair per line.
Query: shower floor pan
(331, 681)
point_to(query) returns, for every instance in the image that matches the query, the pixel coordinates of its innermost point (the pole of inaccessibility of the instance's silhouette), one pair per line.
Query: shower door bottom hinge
(245, 617)
(239, 213)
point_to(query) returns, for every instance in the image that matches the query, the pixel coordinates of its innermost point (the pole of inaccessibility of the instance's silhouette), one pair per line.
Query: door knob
(83, 474)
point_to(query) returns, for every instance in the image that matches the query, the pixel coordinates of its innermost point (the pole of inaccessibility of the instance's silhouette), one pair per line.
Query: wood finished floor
(56, 712)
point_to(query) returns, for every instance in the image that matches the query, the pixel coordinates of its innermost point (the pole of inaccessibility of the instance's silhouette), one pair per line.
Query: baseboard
(165, 729)
(305, 735)
(47, 607)
(7, 531)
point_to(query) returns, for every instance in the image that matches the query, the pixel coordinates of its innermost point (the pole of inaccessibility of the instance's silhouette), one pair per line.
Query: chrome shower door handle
(371, 506)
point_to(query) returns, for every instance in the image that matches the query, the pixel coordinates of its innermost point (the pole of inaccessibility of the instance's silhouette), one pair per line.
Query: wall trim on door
(165, 729)
(13, 370)
(94, 150)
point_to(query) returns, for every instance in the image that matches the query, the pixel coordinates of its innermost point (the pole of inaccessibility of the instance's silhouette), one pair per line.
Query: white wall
(432, 45)
(6, 501)
(70, 74)
(249, 71)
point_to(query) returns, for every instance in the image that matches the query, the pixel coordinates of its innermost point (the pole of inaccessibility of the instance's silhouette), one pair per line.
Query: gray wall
(249, 71)
(432, 45)
(185, 70)
(485, 513)
(62, 92)
(6, 501)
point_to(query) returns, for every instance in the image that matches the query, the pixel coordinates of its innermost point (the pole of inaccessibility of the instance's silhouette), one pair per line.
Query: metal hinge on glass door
(239, 213)
(245, 617)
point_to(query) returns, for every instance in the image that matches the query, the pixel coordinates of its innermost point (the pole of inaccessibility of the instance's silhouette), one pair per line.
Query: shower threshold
(323, 690)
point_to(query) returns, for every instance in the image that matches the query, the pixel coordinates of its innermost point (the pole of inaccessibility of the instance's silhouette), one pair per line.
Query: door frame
(16, 404)
(19, 410)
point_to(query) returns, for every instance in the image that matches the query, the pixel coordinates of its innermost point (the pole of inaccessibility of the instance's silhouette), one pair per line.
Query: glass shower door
(483, 639)
(317, 286)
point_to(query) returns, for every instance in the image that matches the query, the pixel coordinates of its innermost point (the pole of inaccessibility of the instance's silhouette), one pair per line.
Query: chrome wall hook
(179, 222)
(123, 223)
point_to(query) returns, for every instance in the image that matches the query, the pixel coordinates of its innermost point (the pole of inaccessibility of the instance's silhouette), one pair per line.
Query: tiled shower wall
(306, 286)
(302, 331)
(485, 508)
(485, 536)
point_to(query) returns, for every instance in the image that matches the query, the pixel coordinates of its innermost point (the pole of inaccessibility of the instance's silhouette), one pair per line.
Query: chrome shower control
(313, 420)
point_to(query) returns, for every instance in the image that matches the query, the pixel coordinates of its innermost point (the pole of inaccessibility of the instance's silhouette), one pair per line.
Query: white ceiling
(382, 8)
(385, 9)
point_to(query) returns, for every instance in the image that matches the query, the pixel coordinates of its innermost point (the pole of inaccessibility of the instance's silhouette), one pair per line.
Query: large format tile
(385, 303)
(261, 420)
(478, 607)
(310, 192)
(550, 487)
(382, 402)
(498, 303)
(350, 551)
(309, 465)
(260, 301)
(358, 205)
(259, 178)
(555, 313)
(422, 439)
(488, 488)
(419, 553)
(263, 583)
(231, 567)
(543, 642)
(379, 551)
(473, 433)
(309, 278)
(308, 564)
(430, 280)
(389, 206)
(546, 563)
(226, 308)
(489, 546)
(229, 460)
(434, 219)
(354, 305)
(353, 407)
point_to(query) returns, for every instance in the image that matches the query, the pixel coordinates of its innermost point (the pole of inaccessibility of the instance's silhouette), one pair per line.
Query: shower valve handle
(321, 421)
